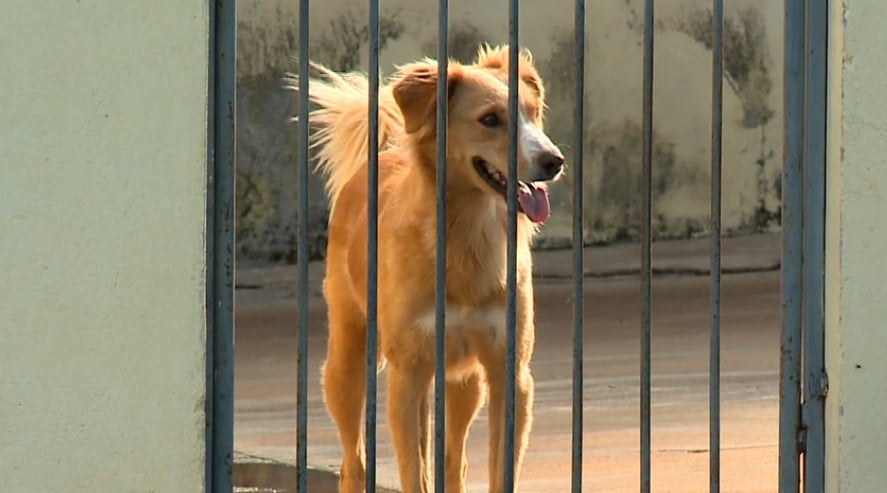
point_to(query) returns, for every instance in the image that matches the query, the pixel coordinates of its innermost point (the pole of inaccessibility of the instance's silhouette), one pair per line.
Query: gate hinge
(815, 397)
(820, 389)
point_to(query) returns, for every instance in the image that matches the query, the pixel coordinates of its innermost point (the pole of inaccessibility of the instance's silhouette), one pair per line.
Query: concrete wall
(102, 224)
(856, 237)
(682, 108)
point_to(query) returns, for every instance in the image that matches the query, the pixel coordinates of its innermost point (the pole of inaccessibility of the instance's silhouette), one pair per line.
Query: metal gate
(803, 382)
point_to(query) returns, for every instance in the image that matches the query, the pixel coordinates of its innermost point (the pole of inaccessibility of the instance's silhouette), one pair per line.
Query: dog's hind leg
(344, 374)
(464, 398)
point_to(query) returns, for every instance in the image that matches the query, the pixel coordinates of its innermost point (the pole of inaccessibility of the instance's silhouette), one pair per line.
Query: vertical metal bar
(220, 249)
(302, 255)
(646, 240)
(441, 252)
(578, 243)
(792, 241)
(372, 247)
(814, 244)
(511, 281)
(714, 376)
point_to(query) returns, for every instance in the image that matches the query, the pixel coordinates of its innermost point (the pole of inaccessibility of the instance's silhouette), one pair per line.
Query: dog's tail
(342, 118)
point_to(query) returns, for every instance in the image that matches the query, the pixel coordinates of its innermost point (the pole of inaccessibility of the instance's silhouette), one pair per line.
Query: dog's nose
(551, 163)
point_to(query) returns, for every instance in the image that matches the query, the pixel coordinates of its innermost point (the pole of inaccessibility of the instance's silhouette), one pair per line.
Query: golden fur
(476, 258)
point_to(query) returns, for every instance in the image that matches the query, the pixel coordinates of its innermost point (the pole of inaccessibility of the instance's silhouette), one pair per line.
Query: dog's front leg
(425, 440)
(523, 403)
(407, 387)
(464, 398)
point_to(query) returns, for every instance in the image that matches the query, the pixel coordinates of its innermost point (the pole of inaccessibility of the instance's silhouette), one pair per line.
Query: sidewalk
(751, 253)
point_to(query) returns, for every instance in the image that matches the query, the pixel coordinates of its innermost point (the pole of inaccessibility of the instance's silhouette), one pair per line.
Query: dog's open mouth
(532, 198)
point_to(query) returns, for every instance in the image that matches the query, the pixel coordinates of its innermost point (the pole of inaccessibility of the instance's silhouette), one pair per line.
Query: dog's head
(478, 121)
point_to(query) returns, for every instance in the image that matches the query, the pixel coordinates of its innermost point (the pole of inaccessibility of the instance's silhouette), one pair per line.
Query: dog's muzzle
(547, 166)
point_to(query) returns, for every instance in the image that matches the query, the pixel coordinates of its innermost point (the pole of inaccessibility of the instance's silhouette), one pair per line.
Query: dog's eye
(490, 120)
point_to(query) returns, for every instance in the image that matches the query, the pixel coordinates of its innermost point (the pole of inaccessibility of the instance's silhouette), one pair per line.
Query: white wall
(102, 226)
(856, 338)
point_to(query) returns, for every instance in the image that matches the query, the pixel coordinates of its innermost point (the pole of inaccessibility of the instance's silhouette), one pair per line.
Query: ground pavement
(266, 319)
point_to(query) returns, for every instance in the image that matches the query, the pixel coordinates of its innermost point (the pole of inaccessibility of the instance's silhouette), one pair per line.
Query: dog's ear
(497, 58)
(416, 93)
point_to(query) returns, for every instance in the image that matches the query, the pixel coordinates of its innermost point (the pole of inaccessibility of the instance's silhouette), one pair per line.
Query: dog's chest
(465, 322)
(476, 251)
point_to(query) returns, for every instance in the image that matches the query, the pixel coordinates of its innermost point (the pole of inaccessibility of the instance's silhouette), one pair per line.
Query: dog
(477, 178)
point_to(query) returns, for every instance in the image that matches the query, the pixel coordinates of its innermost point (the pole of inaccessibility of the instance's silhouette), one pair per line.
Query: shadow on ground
(257, 475)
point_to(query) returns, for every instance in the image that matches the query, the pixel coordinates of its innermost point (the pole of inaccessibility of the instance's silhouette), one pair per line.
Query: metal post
(441, 253)
(815, 383)
(302, 254)
(646, 240)
(578, 244)
(714, 376)
(372, 247)
(792, 241)
(511, 281)
(220, 250)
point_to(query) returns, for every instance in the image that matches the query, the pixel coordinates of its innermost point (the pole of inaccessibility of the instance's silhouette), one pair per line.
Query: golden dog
(477, 157)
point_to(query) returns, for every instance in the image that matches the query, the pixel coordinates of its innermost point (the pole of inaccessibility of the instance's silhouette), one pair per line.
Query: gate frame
(220, 216)
(803, 380)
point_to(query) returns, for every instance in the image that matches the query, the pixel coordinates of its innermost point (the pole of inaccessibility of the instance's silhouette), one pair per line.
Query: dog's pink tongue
(533, 202)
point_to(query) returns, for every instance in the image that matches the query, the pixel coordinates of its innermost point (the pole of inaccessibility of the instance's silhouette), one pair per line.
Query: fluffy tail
(342, 118)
